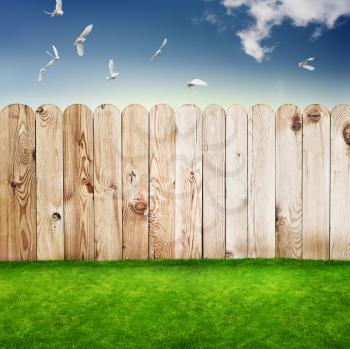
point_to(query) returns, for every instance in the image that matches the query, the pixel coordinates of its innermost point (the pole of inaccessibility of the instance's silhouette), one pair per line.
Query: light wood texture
(17, 183)
(316, 182)
(289, 172)
(214, 125)
(261, 182)
(135, 145)
(236, 182)
(162, 182)
(49, 178)
(107, 183)
(188, 211)
(340, 183)
(78, 183)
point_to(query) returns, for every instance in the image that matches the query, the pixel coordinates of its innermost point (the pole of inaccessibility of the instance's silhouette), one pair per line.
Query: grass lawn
(175, 304)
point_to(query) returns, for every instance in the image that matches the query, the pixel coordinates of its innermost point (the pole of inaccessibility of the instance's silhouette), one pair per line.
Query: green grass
(175, 304)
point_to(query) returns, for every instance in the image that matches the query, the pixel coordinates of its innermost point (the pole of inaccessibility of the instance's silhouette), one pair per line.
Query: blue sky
(202, 43)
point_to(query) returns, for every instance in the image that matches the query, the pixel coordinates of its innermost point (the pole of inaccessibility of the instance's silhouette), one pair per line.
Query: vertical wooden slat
(162, 182)
(214, 182)
(289, 171)
(49, 160)
(316, 182)
(107, 183)
(135, 144)
(340, 183)
(78, 183)
(261, 182)
(17, 183)
(236, 182)
(188, 211)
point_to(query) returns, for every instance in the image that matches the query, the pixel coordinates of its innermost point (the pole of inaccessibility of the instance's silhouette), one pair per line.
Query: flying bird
(58, 10)
(41, 74)
(305, 64)
(79, 42)
(197, 82)
(159, 51)
(55, 54)
(112, 73)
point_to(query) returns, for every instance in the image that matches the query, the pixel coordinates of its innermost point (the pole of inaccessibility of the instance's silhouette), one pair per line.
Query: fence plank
(236, 182)
(214, 125)
(17, 183)
(78, 183)
(316, 182)
(340, 183)
(261, 182)
(188, 211)
(135, 144)
(49, 170)
(289, 171)
(107, 183)
(162, 182)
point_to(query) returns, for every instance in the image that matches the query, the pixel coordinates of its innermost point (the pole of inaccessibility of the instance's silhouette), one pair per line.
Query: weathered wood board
(78, 183)
(289, 174)
(188, 211)
(340, 183)
(17, 183)
(162, 182)
(107, 183)
(49, 177)
(316, 182)
(236, 182)
(214, 130)
(261, 182)
(135, 144)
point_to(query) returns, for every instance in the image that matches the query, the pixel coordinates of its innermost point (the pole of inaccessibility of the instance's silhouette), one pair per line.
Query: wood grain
(162, 182)
(236, 182)
(261, 182)
(135, 145)
(188, 211)
(316, 182)
(78, 183)
(289, 172)
(214, 130)
(17, 183)
(340, 183)
(49, 178)
(107, 183)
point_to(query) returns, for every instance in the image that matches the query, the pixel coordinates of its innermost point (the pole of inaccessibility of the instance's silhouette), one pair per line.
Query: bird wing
(165, 41)
(50, 63)
(40, 77)
(308, 67)
(155, 55)
(54, 48)
(50, 54)
(111, 67)
(80, 49)
(58, 5)
(309, 59)
(48, 13)
(86, 31)
(199, 82)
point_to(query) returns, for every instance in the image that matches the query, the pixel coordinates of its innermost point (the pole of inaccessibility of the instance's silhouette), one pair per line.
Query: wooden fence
(164, 184)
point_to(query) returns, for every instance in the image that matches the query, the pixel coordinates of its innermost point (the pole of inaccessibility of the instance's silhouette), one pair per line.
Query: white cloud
(271, 13)
(211, 18)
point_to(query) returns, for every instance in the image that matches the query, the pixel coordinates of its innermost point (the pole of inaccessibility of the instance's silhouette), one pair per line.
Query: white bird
(112, 73)
(55, 54)
(58, 10)
(159, 51)
(79, 42)
(41, 74)
(197, 82)
(305, 64)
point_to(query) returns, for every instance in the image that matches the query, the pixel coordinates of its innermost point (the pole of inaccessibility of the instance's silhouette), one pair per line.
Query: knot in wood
(113, 187)
(90, 188)
(13, 185)
(228, 253)
(40, 110)
(296, 123)
(56, 216)
(346, 134)
(314, 116)
(139, 207)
